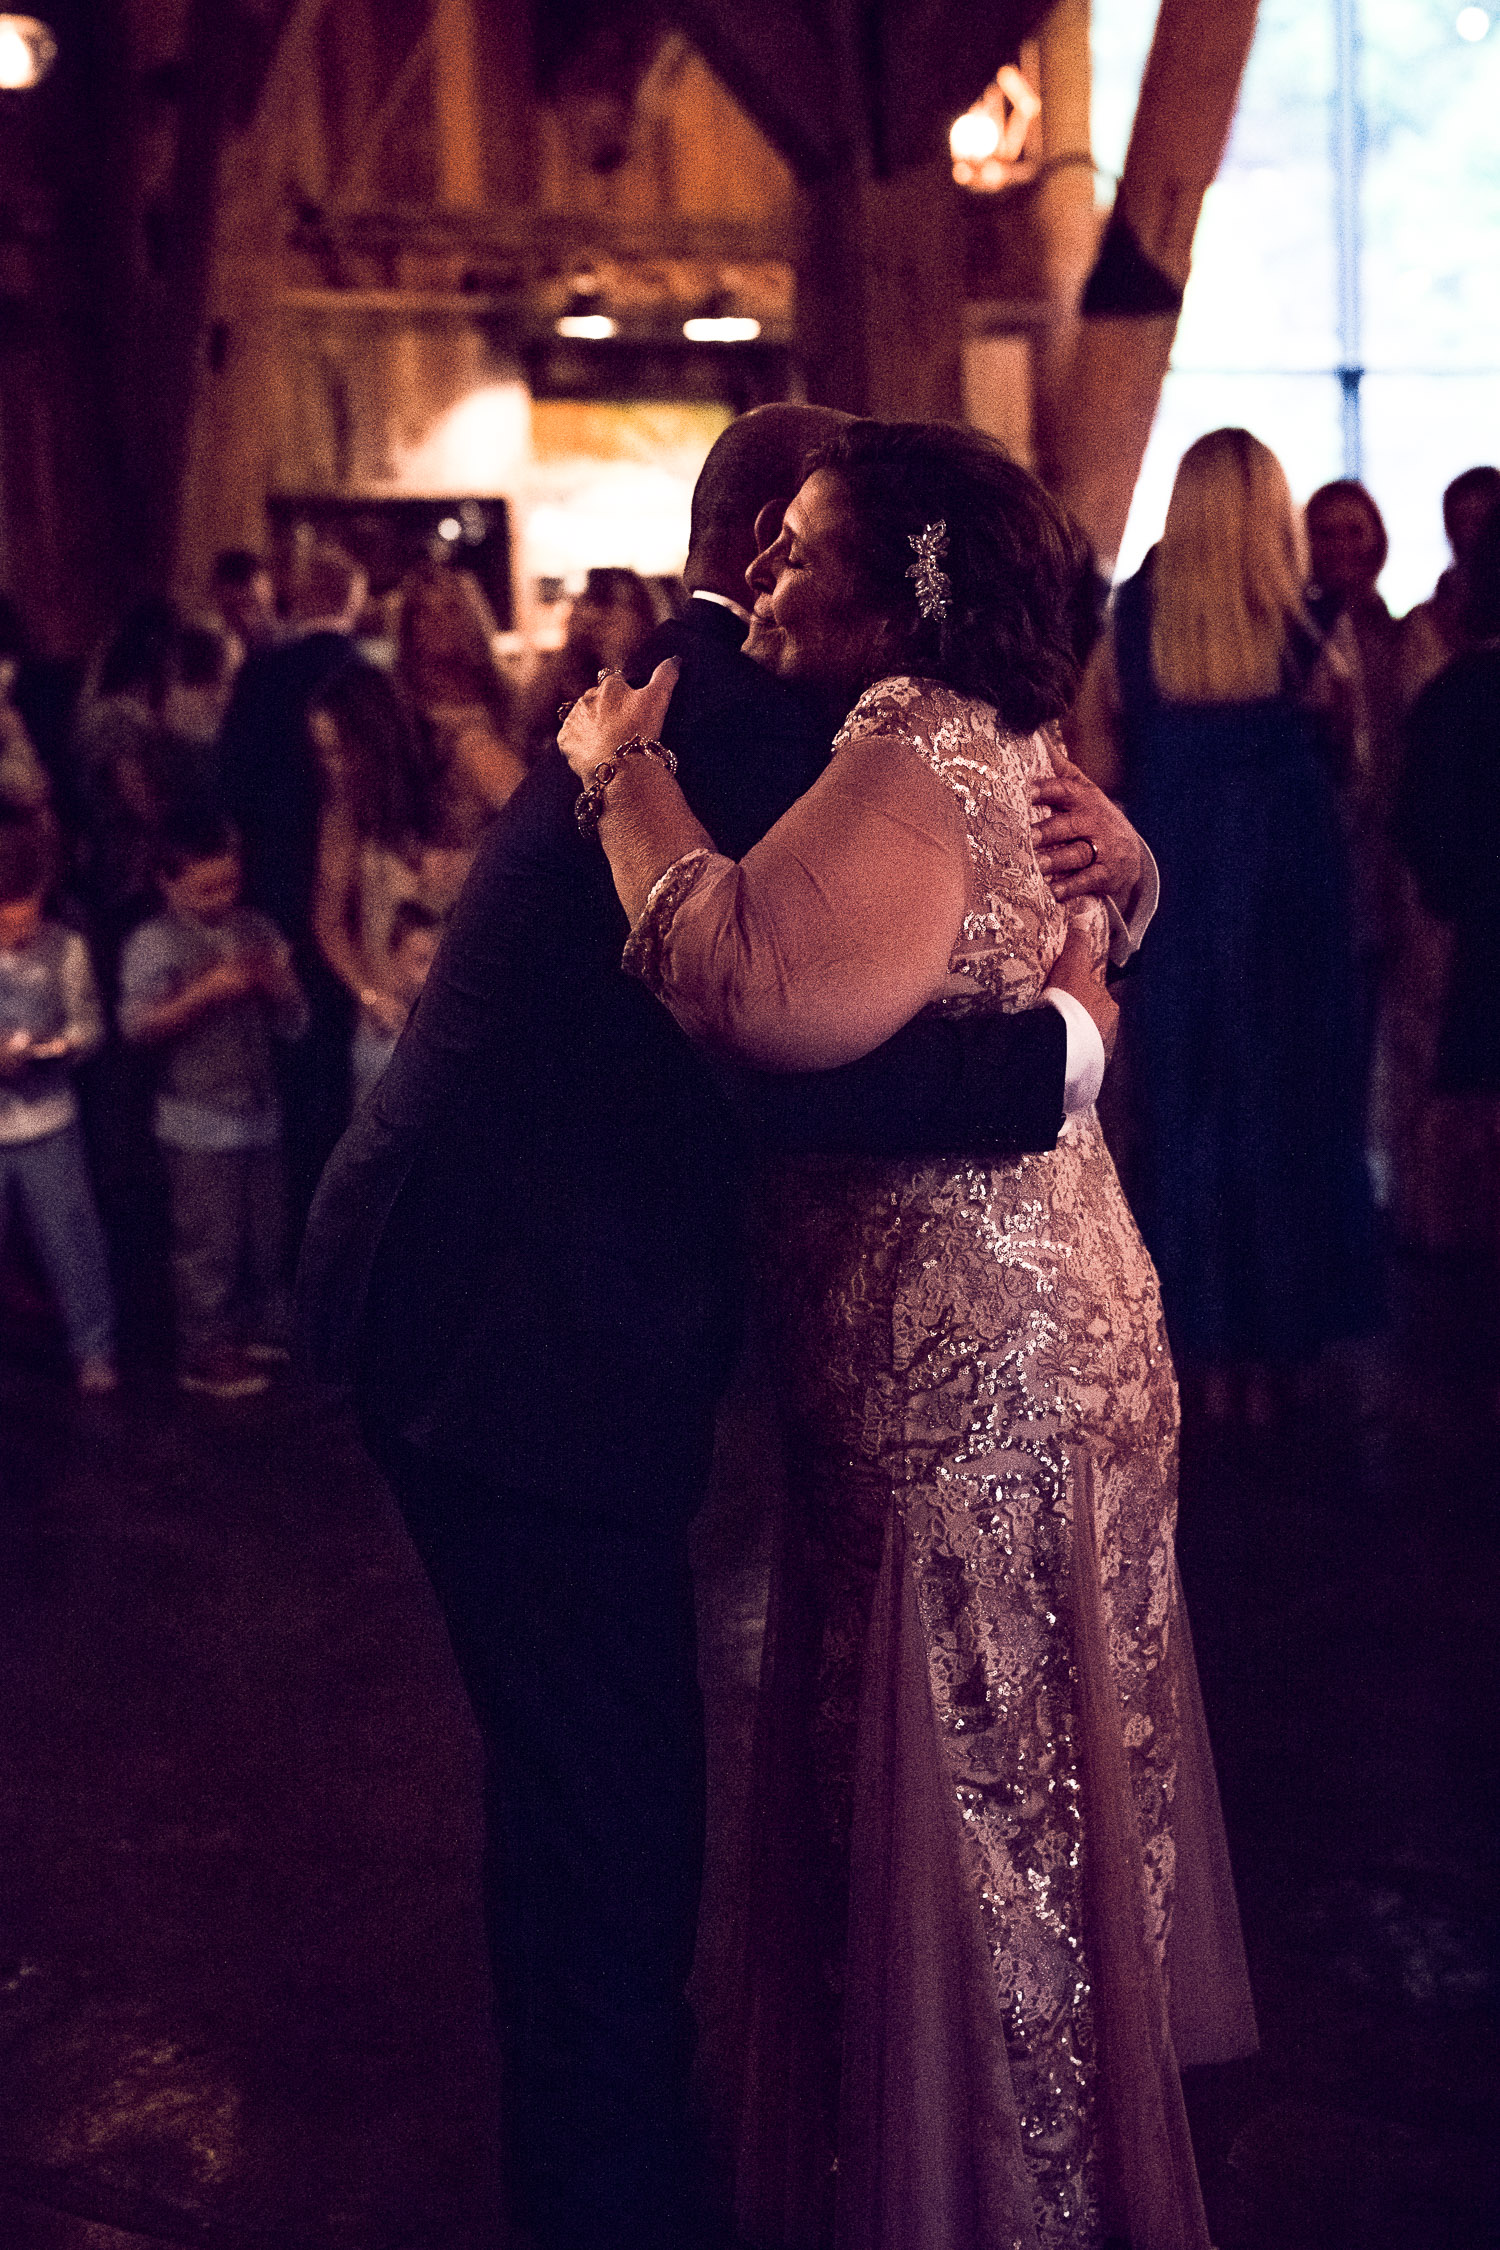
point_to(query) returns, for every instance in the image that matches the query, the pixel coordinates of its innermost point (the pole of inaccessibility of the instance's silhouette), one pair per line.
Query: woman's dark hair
(1350, 488)
(611, 583)
(1015, 562)
(392, 784)
(1483, 480)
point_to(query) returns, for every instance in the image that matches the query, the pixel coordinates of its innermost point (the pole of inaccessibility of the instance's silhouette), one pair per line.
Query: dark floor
(241, 1994)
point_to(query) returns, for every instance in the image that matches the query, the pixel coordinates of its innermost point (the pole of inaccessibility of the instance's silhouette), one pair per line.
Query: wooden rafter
(287, 25)
(360, 168)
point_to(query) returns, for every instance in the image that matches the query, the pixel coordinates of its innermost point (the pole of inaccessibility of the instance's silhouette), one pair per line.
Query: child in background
(49, 1021)
(410, 948)
(209, 983)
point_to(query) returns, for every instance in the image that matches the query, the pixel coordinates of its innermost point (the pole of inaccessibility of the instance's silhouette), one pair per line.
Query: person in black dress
(269, 784)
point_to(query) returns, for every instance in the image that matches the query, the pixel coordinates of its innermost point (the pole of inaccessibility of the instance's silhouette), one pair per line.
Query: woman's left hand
(612, 713)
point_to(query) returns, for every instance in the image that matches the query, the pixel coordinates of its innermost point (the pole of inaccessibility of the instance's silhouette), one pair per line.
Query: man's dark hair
(407, 916)
(758, 458)
(1484, 479)
(25, 860)
(1014, 562)
(202, 656)
(1482, 609)
(190, 834)
(236, 567)
(142, 654)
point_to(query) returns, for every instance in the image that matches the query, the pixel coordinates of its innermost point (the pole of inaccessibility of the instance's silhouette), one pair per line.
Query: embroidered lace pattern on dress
(949, 1333)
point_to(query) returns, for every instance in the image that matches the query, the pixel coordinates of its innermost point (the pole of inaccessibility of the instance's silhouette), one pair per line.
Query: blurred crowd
(229, 840)
(228, 843)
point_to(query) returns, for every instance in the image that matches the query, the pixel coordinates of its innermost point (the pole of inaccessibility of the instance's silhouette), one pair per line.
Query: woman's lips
(762, 636)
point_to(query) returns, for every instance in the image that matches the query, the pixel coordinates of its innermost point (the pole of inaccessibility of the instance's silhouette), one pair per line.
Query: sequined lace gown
(979, 1736)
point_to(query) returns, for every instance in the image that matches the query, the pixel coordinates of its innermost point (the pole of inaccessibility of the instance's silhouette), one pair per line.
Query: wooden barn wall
(398, 169)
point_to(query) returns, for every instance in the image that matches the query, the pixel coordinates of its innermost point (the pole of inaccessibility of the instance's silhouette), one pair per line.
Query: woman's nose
(761, 576)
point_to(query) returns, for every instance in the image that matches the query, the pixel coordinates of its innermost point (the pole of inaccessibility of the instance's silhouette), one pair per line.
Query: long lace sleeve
(836, 929)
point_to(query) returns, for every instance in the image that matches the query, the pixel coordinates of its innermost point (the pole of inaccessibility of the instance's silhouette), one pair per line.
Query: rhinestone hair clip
(934, 587)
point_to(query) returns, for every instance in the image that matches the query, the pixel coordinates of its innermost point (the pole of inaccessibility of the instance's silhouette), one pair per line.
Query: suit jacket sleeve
(943, 1085)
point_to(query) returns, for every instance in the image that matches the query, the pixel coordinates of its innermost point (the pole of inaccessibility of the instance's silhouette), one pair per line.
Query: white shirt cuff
(1125, 937)
(1083, 1072)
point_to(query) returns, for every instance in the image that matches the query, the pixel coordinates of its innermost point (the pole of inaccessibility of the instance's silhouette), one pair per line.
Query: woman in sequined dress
(991, 1910)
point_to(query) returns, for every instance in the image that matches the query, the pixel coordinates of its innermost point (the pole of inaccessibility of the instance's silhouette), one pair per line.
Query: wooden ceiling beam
(784, 73)
(556, 236)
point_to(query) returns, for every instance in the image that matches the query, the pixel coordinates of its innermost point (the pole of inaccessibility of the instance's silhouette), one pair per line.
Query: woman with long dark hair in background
(462, 707)
(382, 849)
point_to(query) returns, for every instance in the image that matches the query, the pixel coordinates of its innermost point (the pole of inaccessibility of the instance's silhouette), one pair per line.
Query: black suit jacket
(525, 1249)
(268, 774)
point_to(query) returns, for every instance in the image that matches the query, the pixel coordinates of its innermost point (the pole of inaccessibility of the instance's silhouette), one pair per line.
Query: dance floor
(242, 1999)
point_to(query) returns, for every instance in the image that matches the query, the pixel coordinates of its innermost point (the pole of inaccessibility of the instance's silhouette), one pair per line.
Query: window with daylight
(1345, 296)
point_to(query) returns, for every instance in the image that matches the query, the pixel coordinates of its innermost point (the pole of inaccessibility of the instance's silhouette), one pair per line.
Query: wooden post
(913, 290)
(1101, 398)
(455, 104)
(1066, 217)
(880, 290)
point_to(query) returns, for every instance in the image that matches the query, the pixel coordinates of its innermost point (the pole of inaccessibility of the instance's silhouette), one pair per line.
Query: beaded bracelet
(590, 804)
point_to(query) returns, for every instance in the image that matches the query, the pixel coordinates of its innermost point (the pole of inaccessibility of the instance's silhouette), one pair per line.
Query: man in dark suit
(525, 1255)
(268, 779)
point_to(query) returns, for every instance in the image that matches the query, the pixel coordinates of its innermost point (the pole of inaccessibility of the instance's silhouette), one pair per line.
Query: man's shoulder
(534, 832)
(702, 624)
(716, 673)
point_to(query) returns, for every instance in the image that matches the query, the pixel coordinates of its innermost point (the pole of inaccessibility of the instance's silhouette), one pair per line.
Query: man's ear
(768, 524)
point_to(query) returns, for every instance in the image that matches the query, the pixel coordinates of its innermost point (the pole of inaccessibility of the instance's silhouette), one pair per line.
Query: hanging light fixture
(28, 50)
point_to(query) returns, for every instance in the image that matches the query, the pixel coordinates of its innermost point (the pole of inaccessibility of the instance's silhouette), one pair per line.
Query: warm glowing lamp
(987, 142)
(974, 136)
(27, 52)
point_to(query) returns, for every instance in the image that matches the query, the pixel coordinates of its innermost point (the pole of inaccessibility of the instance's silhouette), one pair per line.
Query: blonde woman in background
(462, 705)
(1230, 728)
